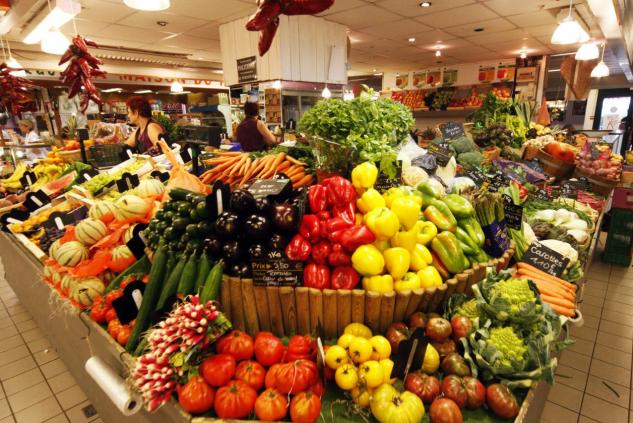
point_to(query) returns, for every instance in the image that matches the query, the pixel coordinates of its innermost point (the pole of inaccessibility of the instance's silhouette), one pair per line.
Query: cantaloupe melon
(129, 233)
(71, 253)
(130, 207)
(86, 290)
(102, 209)
(89, 231)
(52, 251)
(149, 187)
(67, 283)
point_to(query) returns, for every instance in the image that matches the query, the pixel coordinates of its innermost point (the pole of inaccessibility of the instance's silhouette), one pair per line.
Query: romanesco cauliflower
(468, 309)
(515, 291)
(508, 344)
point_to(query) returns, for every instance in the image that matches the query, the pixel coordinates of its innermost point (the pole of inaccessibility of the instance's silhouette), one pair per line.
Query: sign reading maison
(247, 69)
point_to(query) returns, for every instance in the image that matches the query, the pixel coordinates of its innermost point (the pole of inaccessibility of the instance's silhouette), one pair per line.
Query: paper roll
(113, 386)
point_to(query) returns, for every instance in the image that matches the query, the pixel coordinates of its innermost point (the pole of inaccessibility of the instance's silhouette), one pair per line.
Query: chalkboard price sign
(545, 259)
(28, 179)
(277, 270)
(270, 187)
(127, 182)
(540, 194)
(513, 213)
(478, 178)
(451, 130)
(441, 152)
(36, 200)
(384, 183)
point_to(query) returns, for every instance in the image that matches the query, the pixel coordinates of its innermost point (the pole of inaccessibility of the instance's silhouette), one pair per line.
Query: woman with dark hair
(147, 130)
(252, 133)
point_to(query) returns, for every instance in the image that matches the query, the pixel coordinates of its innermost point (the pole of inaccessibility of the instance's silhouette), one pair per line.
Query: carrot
(297, 177)
(303, 181)
(215, 160)
(550, 289)
(563, 310)
(228, 153)
(531, 275)
(284, 166)
(270, 169)
(294, 161)
(558, 301)
(525, 266)
(226, 164)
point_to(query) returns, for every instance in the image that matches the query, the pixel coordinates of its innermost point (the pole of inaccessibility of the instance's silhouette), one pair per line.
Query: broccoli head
(470, 159)
(463, 145)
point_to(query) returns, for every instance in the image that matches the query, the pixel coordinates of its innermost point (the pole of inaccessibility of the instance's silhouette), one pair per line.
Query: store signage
(384, 183)
(36, 200)
(277, 270)
(58, 220)
(526, 74)
(269, 187)
(506, 72)
(161, 176)
(540, 194)
(218, 200)
(486, 74)
(87, 175)
(478, 178)
(13, 217)
(513, 213)
(247, 69)
(545, 259)
(451, 130)
(449, 77)
(441, 152)
(410, 355)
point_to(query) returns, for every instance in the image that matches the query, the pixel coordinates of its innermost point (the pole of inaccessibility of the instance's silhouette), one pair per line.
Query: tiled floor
(593, 382)
(35, 385)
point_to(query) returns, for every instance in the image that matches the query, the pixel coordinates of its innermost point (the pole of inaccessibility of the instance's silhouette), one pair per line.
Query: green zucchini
(203, 271)
(171, 285)
(179, 194)
(187, 282)
(150, 295)
(141, 266)
(211, 290)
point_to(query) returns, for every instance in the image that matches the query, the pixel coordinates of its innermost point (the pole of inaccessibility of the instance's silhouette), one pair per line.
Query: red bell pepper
(310, 227)
(338, 257)
(318, 198)
(344, 277)
(321, 251)
(324, 216)
(334, 228)
(298, 248)
(340, 191)
(355, 236)
(316, 276)
(347, 213)
(441, 268)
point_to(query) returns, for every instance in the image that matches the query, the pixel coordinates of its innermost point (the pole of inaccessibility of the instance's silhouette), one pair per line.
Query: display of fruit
(599, 160)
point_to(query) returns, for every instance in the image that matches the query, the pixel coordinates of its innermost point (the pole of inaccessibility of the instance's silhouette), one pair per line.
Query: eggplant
(284, 217)
(241, 269)
(242, 202)
(226, 225)
(277, 242)
(257, 227)
(263, 206)
(257, 251)
(232, 251)
(213, 245)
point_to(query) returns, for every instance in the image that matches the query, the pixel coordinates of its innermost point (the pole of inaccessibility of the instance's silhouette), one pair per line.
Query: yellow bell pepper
(368, 260)
(397, 261)
(382, 244)
(382, 222)
(364, 175)
(358, 219)
(420, 257)
(430, 277)
(409, 282)
(426, 231)
(381, 283)
(407, 210)
(391, 194)
(417, 197)
(370, 200)
(405, 239)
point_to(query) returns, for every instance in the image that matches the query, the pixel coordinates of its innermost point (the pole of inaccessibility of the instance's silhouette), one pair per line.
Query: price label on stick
(451, 130)
(161, 176)
(277, 270)
(441, 152)
(127, 182)
(270, 187)
(36, 200)
(477, 177)
(28, 179)
(545, 259)
(13, 217)
(137, 243)
(513, 213)
(128, 304)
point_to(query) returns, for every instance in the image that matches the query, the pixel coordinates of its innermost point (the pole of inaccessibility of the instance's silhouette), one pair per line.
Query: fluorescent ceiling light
(176, 87)
(12, 63)
(569, 32)
(412, 40)
(326, 93)
(143, 91)
(54, 42)
(112, 90)
(588, 51)
(148, 5)
(62, 13)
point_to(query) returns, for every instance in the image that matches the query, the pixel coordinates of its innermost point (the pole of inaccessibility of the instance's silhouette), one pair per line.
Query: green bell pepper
(428, 189)
(443, 208)
(463, 237)
(446, 246)
(479, 256)
(459, 206)
(474, 231)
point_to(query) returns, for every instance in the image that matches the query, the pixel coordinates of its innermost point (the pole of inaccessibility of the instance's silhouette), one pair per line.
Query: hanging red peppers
(82, 68)
(13, 89)
(266, 18)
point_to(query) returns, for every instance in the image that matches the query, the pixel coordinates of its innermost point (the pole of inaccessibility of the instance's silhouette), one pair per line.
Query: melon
(130, 207)
(129, 233)
(86, 290)
(149, 187)
(52, 251)
(56, 278)
(122, 258)
(67, 284)
(89, 231)
(101, 209)
(71, 253)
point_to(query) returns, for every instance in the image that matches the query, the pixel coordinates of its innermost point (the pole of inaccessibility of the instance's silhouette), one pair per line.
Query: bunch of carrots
(558, 293)
(236, 169)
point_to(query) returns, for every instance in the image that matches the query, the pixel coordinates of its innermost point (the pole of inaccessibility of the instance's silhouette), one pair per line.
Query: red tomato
(424, 386)
(296, 376)
(113, 295)
(196, 397)
(252, 373)
(444, 410)
(317, 388)
(453, 388)
(110, 314)
(235, 400)
(114, 326)
(301, 347)
(305, 408)
(218, 369)
(236, 343)
(271, 406)
(475, 391)
(461, 327)
(123, 335)
(268, 349)
(502, 401)
(271, 376)
(438, 329)
(98, 313)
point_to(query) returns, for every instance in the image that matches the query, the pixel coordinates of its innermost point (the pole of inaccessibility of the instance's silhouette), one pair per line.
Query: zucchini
(211, 290)
(141, 266)
(153, 287)
(179, 194)
(187, 282)
(203, 271)
(171, 284)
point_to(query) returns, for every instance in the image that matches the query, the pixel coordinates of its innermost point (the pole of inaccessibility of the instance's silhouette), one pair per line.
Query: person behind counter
(27, 128)
(147, 131)
(252, 133)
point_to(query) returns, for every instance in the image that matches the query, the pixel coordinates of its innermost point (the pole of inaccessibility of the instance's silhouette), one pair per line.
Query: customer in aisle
(148, 131)
(252, 133)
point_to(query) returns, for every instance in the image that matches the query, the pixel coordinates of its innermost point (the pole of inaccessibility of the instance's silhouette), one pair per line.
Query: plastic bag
(179, 177)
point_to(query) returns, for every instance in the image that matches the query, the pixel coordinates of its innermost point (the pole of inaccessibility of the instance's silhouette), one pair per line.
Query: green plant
(172, 130)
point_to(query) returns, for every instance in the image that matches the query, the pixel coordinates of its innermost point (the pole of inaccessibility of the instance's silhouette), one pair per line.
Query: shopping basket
(107, 155)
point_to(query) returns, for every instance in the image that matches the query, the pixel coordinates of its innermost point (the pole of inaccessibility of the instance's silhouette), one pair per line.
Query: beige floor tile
(582, 347)
(620, 297)
(32, 335)
(53, 368)
(565, 396)
(29, 396)
(61, 382)
(589, 310)
(5, 410)
(583, 332)
(591, 321)
(610, 372)
(17, 367)
(9, 300)
(21, 317)
(22, 381)
(617, 306)
(8, 419)
(10, 343)
(71, 397)
(77, 415)
(571, 377)
(575, 360)
(613, 356)
(39, 412)
(97, 420)
(26, 325)
(14, 354)
(615, 341)
(583, 419)
(595, 291)
(553, 413)
(617, 329)
(42, 344)
(596, 387)
(6, 322)
(594, 276)
(591, 300)
(617, 317)
(45, 356)
(603, 411)
(19, 308)
(60, 418)
(8, 332)
(617, 289)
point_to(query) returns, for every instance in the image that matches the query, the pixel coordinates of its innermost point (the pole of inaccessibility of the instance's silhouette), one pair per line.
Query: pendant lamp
(569, 31)
(148, 5)
(601, 70)
(176, 87)
(326, 93)
(588, 51)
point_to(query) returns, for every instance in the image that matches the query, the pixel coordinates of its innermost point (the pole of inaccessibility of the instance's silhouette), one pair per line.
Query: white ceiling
(379, 29)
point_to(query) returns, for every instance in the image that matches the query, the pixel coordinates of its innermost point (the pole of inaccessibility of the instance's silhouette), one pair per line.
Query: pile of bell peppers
(328, 235)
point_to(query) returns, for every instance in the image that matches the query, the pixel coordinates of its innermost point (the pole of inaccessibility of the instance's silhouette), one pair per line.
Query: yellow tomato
(371, 372)
(358, 329)
(381, 348)
(336, 356)
(361, 395)
(360, 350)
(346, 377)
(387, 368)
(345, 340)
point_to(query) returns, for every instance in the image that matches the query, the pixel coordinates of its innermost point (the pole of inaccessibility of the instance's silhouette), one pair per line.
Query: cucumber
(204, 267)
(141, 347)
(141, 266)
(171, 284)
(211, 290)
(179, 194)
(152, 289)
(187, 282)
